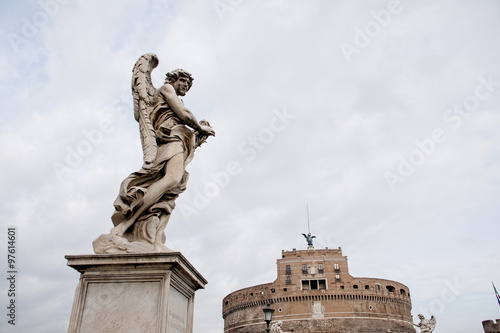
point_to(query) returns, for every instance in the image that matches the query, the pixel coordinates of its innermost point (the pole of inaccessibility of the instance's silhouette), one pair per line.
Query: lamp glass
(268, 313)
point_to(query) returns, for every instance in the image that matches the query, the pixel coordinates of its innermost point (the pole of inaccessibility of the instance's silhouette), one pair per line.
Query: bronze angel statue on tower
(169, 134)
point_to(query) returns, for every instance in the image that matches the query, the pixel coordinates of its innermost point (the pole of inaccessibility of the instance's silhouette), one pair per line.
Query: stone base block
(134, 293)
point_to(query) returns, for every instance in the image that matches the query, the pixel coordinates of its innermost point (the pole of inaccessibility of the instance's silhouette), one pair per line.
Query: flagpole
(496, 293)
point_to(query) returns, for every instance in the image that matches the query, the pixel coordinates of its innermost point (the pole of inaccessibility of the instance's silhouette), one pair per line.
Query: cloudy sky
(382, 116)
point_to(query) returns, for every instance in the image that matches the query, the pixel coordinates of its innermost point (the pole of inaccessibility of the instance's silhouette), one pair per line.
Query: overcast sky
(382, 116)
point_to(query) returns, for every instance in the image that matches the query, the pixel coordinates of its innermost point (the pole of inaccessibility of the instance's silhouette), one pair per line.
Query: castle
(314, 292)
(490, 326)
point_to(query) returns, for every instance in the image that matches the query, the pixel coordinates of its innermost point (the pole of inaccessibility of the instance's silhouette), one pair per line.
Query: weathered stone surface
(105, 300)
(134, 293)
(333, 325)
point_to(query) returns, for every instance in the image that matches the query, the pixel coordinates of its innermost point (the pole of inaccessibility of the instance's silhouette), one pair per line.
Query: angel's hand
(206, 130)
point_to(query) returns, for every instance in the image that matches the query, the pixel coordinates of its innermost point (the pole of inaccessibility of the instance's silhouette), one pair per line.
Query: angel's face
(181, 86)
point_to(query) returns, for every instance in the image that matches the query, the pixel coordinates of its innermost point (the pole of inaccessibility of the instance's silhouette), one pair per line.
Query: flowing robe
(173, 137)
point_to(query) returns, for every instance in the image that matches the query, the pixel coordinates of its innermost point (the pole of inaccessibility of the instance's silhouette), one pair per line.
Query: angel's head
(176, 74)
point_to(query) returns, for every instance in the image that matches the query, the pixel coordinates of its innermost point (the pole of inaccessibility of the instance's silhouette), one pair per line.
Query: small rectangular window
(322, 284)
(288, 270)
(320, 268)
(378, 287)
(305, 285)
(304, 268)
(314, 284)
(288, 279)
(337, 277)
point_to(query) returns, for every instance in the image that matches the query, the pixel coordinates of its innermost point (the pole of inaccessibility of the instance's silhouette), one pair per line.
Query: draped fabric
(173, 138)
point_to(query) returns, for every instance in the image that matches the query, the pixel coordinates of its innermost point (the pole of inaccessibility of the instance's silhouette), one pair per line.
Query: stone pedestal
(134, 293)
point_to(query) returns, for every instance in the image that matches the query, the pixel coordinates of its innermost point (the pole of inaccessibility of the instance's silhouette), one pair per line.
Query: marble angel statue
(169, 133)
(426, 325)
(276, 327)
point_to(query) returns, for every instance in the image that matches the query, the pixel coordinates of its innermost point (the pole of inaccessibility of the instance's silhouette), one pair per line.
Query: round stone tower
(314, 292)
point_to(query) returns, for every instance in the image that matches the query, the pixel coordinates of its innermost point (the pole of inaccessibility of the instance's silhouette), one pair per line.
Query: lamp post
(268, 315)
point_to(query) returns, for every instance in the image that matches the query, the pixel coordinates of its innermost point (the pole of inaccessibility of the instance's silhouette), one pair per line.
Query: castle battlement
(490, 326)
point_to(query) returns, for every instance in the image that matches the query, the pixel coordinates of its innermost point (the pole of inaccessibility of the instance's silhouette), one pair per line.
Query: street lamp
(268, 315)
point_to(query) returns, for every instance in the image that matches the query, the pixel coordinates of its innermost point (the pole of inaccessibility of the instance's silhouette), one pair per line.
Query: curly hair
(176, 73)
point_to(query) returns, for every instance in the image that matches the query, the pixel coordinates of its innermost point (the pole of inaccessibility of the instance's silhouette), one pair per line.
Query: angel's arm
(178, 107)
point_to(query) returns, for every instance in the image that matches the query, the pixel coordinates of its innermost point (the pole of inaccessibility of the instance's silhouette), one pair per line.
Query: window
(304, 268)
(284, 289)
(336, 267)
(320, 268)
(288, 279)
(273, 290)
(314, 284)
(355, 286)
(378, 287)
(390, 289)
(337, 277)
(367, 287)
(402, 292)
(319, 284)
(305, 285)
(288, 270)
(342, 287)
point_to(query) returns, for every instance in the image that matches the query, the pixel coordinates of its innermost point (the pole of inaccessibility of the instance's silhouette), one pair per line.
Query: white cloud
(352, 123)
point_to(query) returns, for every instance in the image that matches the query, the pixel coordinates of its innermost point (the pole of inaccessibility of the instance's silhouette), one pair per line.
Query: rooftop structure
(490, 326)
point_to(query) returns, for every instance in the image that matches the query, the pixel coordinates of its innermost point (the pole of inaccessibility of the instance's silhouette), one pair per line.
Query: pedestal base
(134, 293)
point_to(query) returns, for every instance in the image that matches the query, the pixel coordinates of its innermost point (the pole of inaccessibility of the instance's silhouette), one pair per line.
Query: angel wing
(143, 93)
